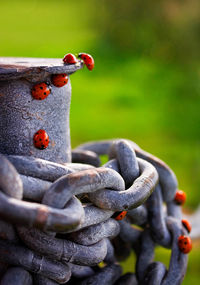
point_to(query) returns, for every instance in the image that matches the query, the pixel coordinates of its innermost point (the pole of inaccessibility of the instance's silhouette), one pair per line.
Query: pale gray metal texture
(21, 116)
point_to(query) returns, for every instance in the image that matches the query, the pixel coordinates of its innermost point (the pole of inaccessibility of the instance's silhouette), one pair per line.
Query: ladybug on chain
(186, 225)
(40, 91)
(180, 197)
(119, 215)
(41, 139)
(184, 244)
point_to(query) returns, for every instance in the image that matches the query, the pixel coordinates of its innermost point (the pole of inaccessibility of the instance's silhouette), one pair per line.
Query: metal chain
(58, 221)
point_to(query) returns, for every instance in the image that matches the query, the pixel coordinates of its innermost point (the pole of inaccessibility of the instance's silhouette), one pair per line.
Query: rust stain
(53, 143)
(42, 215)
(18, 95)
(38, 117)
(74, 178)
(83, 177)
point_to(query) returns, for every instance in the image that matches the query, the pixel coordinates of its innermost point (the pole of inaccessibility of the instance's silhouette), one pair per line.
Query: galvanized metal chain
(58, 221)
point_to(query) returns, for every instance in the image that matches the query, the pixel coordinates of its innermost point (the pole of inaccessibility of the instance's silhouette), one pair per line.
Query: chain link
(57, 220)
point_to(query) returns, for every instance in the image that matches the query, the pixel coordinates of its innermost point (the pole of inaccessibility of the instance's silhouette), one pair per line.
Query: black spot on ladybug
(64, 81)
(185, 242)
(40, 139)
(46, 140)
(40, 98)
(45, 93)
(41, 87)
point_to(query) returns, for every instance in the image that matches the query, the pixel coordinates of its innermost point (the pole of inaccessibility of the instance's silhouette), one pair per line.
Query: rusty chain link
(58, 221)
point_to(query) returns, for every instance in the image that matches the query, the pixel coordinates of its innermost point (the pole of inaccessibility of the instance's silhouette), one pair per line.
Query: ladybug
(59, 80)
(180, 197)
(185, 244)
(88, 60)
(119, 215)
(40, 91)
(186, 225)
(41, 139)
(69, 59)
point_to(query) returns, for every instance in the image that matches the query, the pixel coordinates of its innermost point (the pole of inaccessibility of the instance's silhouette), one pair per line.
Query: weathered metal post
(21, 116)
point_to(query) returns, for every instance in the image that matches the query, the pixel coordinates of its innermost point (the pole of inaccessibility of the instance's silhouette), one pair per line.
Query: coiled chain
(59, 221)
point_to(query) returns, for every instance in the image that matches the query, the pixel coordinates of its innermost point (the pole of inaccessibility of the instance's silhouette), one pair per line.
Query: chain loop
(20, 256)
(133, 197)
(17, 276)
(156, 218)
(67, 226)
(10, 182)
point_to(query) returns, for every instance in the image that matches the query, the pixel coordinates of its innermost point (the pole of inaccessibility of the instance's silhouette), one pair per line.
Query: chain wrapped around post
(60, 221)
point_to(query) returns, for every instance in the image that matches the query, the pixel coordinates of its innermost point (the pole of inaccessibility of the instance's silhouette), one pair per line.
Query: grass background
(145, 85)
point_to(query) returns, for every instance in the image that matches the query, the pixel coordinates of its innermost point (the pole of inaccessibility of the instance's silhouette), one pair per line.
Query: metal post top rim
(17, 67)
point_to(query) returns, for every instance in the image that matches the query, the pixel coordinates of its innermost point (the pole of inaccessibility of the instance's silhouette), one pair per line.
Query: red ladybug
(41, 139)
(180, 197)
(119, 215)
(88, 60)
(59, 80)
(185, 244)
(40, 91)
(186, 225)
(69, 59)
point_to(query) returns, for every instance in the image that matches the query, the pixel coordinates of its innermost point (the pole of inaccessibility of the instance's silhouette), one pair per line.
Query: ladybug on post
(41, 139)
(70, 59)
(87, 59)
(119, 215)
(59, 80)
(40, 91)
(185, 244)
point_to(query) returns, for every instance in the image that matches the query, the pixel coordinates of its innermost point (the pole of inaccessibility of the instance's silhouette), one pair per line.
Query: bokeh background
(146, 81)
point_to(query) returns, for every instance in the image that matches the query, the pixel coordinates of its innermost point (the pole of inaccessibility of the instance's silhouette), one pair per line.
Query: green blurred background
(145, 85)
